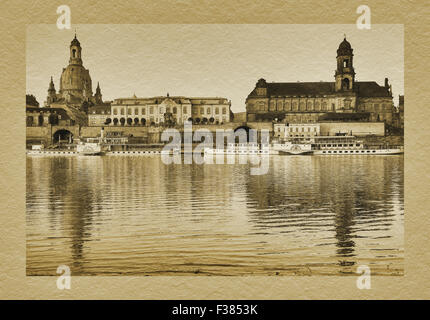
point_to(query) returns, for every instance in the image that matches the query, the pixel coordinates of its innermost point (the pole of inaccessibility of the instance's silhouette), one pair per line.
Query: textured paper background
(14, 18)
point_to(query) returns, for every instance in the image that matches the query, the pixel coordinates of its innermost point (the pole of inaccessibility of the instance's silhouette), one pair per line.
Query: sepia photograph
(214, 150)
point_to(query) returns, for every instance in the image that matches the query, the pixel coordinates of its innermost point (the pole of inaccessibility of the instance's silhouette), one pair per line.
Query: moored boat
(243, 149)
(350, 145)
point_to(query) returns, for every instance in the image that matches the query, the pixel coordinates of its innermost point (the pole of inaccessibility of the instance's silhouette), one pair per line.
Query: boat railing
(382, 146)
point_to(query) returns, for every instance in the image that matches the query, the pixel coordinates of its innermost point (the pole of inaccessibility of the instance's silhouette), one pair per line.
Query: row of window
(305, 118)
(301, 135)
(340, 145)
(317, 106)
(375, 107)
(299, 129)
(174, 110)
(175, 100)
(160, 120)
(295, 106)
(208, 110)
(143, 110)
(350, 151)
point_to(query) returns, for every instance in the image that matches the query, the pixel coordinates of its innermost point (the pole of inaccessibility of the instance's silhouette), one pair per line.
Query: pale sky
(211, 60)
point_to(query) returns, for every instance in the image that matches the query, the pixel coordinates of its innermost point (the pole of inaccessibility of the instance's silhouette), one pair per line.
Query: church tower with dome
(75, 83)
(345, 74)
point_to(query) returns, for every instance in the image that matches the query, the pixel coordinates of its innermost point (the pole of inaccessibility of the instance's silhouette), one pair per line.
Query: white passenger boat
(143, 152)
(243, 149)
(349, 145)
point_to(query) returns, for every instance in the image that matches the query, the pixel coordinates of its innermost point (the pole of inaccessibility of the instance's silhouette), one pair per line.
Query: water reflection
(135, 215)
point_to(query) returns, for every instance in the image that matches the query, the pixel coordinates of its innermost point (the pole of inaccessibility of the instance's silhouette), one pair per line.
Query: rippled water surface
(129, 215)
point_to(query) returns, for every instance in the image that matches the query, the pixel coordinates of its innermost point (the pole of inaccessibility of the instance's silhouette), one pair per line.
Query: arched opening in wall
(241, 133)
(143, 121)
(345, 84)
(190, 120)
(62, 136)
(115, 121)
(74, 53)
(122, 120)
(108, 120)
(136, 121)
(129, 121)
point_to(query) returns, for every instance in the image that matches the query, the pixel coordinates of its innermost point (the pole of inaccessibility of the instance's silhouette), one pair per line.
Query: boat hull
(296, 153)
(358, 152)
(240, 152)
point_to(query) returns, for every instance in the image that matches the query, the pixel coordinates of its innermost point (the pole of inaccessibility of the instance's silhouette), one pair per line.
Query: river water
(134, 215)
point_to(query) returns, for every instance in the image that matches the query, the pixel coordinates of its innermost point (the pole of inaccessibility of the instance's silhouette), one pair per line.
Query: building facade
(169, 110)
(301, 102)
(295, 130)
(39, 117)
(285, 131)
(98, 115)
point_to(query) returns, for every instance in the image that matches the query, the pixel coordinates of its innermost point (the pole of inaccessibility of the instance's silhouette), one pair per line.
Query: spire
(98, 91)
(75, 41)
(51, 85)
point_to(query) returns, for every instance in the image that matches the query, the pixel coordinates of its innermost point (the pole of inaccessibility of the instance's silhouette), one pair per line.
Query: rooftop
(362, 88)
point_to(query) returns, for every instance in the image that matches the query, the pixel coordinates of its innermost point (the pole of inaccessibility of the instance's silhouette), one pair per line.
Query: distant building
(239, 117)
(38, 117)
(98, 115)
(167, 109)
(296, 130)
(75, 83)
(284, 131)
(301, 102)
(402, 111)
(398, 116)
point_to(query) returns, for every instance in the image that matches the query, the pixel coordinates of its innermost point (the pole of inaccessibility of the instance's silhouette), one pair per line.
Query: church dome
(344, 48)
(75, 79)
(345, 44)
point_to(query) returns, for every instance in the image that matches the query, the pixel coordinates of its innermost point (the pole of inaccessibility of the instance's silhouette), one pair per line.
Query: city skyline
(153, 60)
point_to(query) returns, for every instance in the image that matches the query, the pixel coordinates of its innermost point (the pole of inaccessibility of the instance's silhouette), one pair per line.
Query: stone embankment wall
(153, 134)
(390, 140)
